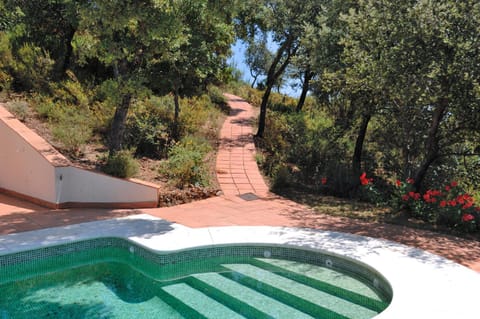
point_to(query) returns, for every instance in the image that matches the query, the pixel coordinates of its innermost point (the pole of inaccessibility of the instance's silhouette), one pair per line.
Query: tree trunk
(357, 154)
(263, 112)
(254, 80)
(117, 130)
(176, 129)
(272, 76)
(305, 87)
(432, 144)
(68, 50)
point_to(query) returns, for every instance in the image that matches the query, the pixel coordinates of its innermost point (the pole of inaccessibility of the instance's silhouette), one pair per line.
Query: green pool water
(115, 283)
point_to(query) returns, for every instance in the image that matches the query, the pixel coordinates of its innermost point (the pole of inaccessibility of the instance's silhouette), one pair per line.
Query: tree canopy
(396, 83)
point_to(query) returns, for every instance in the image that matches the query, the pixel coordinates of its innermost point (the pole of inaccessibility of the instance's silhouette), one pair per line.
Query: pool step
(197, 305)
(326, 280)
(316, 302)
(250, 303)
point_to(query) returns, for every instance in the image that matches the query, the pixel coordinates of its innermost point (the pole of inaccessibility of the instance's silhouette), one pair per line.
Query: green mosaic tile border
(357, 270)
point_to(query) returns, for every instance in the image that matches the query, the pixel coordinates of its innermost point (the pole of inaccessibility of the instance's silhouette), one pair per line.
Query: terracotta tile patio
(245, 201)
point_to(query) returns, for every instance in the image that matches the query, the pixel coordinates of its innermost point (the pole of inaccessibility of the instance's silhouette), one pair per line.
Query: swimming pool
(423, 285)
(114, 278)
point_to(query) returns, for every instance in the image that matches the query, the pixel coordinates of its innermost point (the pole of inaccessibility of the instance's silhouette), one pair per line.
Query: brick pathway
(237, 171)
(246, 201)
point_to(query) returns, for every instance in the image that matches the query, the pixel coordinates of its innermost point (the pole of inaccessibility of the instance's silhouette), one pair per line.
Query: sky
(237, 60)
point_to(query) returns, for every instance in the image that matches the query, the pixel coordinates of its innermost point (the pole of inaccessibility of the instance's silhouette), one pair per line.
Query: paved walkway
(246, 201)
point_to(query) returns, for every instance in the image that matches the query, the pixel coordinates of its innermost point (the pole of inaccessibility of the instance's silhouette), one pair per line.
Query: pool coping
(424, 285)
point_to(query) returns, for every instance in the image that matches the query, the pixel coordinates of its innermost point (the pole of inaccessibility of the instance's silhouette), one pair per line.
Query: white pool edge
(424, 285)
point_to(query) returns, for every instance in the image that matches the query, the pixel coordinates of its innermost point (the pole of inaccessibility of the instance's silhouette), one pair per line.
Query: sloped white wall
(30, 167)
(23, 169)
(77, 185)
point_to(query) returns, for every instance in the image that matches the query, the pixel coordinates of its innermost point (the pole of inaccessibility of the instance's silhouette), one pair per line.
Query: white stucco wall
(23, 169)
(78, 185)
(32, 168)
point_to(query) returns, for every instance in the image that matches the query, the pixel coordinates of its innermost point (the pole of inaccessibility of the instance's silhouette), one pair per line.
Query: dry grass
(352, 208)
(335, 206)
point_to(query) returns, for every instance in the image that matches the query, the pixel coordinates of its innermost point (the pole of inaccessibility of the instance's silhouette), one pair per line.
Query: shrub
(281, 177)
(72, 130)
(186, 165)
(199, 116)
(449, 205)
(73, 93)
(121, 164)
(216, 97)
(32, 68)
(19, 108)
(149, 128)
(46, 107)
(6, 62)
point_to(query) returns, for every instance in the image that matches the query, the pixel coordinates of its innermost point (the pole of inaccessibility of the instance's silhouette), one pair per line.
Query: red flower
(405, 197)
(447, 188)
(454, 184)
(435, 192)
(465, 199)
(398, 183)
(410, 180)
(415, 196)
(467, 205)
(467, 217)
(426, 197)
(452, 203)
(324, 180)
(364, 180)
(443, 203)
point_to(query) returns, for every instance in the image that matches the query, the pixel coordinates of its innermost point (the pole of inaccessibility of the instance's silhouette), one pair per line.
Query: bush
(19, 108)
(281, 177)
(6, 62)
(149, 129)
(72, 130)
(199, 117)
(32, 68)
(121, 164)
(216, 97)
(186, 165)
(73, 93)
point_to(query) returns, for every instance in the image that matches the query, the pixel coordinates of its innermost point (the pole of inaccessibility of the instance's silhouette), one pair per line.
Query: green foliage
(6, 62)
(252, 96)
(200, 117)
(186, 162)
(46, 107)
(305, 146)
(121, 164)
(281, 177)
(420, 74)
(258, 58)
(448, 205)
(149, 128)
(216, 97)
(68, 115)
(72, 130)
(19, 108)
(32, 68)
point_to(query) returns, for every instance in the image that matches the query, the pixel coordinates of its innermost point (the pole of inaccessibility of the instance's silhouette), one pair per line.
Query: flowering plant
(450, 205)
(369, 190)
